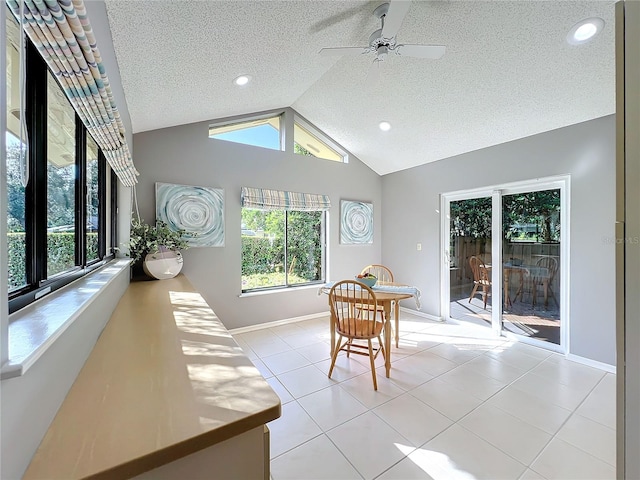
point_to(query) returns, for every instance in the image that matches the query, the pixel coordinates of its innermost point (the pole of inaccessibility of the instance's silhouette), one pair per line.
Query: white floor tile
(458, 453)
(285, 362)
(531, 475)
(369, 443)
(508, 398)
(515, 357)
(272, 346)
(513, 436)
(302, 339)
(293, 428)
(262, 368)
(315, 352)
(600, 405)
(478, 385)
(451, 401)
(566, 372)
(361, 387)
(287, 330)
(458, 353)
(415, 342)
(533, 410)
(406, 469)
(431, 363)
(592, 437)
(283, 393)
(492, 368)
(331, 407)
(346, 367)
(318, 459)
(406, 374)
(413, 419)
(305, 380)
(562, 461)
(568, 397)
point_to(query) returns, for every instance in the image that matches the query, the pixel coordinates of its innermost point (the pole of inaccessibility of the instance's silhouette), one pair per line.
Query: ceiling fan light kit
(383, 41)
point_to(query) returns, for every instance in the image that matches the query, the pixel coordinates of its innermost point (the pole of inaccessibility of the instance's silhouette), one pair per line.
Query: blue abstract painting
(199, 211)
(356, 222)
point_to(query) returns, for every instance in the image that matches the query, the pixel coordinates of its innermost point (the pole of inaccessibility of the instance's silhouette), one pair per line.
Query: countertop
(164, 380)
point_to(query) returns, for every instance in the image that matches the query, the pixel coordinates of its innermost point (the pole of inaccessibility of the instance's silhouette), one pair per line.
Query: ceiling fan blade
(335, 19)
(344, 51)
(421, 51)
(393, 19)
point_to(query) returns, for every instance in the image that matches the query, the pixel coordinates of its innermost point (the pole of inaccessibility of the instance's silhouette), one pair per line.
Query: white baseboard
(591, 363)
(277, 323)
(421, 314)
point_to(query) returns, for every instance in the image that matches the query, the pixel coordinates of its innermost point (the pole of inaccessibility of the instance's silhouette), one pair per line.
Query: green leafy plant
(145, 239)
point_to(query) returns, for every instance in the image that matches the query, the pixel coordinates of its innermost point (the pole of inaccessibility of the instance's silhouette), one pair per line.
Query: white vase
(163, 264)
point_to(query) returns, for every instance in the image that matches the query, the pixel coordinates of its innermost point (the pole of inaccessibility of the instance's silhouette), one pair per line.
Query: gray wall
(185, 155)
(586, 151)
(30, 402)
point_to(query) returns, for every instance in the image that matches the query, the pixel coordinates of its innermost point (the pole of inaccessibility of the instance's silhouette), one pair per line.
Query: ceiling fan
(383, 42)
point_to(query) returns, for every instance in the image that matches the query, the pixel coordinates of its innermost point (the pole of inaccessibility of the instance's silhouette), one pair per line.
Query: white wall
(185, 155)
(30, 402)
(586, 151)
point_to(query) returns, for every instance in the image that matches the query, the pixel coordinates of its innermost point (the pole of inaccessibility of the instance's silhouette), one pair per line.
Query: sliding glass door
(531, 253)
(504, 259)
(470, 260)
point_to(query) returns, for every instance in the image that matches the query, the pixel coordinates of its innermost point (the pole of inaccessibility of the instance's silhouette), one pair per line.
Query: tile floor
(460, 404)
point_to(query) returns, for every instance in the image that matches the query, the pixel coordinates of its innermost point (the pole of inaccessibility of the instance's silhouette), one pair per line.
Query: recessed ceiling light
(242, 80)
(585, 30)
(384, 126)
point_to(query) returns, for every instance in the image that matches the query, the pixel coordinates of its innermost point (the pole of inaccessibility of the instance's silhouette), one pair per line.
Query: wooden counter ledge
(164, 380)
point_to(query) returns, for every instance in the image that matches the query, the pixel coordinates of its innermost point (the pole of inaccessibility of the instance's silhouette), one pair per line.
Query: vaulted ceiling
(508, 71)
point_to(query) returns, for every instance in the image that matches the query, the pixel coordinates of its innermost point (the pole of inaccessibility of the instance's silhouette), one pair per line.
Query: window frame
(323, 257)
(38, 282)
(236, 121)
(301, 122)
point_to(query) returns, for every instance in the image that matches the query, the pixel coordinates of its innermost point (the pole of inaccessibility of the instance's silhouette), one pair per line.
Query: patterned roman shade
(61, 32)
(263, 199)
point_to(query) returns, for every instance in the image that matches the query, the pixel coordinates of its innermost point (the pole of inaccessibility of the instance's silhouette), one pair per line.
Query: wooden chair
(343, 297)
(546, 281)
(383, 274)
(481, 279)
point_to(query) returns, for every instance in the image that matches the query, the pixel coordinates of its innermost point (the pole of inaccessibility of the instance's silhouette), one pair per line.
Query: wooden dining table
(383, 299)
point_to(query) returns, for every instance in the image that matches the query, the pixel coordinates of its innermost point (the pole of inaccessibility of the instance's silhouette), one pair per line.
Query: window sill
(36, 327)
(280, 290)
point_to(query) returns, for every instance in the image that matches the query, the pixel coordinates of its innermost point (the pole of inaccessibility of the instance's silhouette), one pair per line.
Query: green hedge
(60, 254)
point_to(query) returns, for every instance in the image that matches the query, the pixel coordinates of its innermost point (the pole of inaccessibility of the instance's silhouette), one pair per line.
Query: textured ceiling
(508, 71)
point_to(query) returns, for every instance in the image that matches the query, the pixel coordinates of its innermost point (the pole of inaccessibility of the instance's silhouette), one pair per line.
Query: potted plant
(146, 239)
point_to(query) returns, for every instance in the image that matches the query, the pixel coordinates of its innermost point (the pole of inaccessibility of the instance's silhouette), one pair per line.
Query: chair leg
(336, 350)
(373, 366)
(384, 352)
(473, 292)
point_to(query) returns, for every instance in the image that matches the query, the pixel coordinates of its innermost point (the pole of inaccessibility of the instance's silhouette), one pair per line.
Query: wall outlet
(418, 246)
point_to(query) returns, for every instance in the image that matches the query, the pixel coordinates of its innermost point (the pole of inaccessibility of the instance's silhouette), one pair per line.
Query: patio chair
(551, 264)
(481, 279)
(343, 297)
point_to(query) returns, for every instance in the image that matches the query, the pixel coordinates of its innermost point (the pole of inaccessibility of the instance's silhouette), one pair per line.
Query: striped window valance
(263, 199)
(61, 32)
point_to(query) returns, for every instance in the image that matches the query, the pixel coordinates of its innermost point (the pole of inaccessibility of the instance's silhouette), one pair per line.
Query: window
(57, 220)
(308, 143)
(260, 132)
(283, 238)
